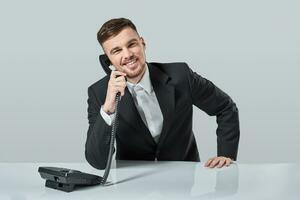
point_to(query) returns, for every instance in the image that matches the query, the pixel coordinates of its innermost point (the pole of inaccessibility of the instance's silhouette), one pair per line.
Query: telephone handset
(105, 63)
(68, 179)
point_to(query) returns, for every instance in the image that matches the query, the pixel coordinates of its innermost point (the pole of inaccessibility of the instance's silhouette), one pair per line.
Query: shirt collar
(145, 82)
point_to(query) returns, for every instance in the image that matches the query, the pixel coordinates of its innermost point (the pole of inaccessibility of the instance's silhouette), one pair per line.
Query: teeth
(131, 62)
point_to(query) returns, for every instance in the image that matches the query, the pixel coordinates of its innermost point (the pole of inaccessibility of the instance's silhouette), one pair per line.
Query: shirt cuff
(107, 118)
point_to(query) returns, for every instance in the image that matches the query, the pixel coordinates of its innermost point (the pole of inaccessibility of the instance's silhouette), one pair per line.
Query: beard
(134, 73)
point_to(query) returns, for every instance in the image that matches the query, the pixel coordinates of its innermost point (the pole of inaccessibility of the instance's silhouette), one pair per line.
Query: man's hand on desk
(219, 162)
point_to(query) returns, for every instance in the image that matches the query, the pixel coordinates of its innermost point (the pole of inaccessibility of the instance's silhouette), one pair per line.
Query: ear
(143, 42)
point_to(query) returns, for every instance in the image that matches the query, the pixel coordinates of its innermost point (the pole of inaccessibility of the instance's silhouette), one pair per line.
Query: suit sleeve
(98, 135)
(215, 102)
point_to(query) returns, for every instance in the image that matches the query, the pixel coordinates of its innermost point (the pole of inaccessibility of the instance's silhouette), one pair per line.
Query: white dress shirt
(146, 103)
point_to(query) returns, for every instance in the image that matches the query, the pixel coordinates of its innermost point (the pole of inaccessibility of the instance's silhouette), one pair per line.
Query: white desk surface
(159, 180)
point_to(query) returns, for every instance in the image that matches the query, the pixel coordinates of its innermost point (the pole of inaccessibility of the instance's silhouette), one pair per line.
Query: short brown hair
(112, 28)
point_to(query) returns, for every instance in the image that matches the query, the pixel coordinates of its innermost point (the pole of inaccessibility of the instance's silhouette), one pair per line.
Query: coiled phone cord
(112, 140)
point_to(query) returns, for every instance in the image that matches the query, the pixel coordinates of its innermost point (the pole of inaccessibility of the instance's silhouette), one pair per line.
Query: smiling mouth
(131, 63)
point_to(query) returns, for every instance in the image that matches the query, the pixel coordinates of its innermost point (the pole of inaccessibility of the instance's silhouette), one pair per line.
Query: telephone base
(67, 179)
(60, 186)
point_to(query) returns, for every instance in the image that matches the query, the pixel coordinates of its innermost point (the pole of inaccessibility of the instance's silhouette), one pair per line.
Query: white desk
(159, 180)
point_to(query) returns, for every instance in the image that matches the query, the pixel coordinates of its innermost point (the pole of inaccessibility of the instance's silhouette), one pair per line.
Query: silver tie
(146, 105)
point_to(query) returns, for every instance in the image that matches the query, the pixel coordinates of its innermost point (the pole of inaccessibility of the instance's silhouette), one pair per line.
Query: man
(155, 116)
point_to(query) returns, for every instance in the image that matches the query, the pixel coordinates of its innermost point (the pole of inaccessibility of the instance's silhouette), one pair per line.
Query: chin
(134, 73)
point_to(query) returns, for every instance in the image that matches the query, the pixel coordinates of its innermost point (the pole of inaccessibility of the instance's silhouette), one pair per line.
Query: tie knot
(138, 88)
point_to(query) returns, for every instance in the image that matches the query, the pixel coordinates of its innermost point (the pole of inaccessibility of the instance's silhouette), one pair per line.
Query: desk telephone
(68, 179)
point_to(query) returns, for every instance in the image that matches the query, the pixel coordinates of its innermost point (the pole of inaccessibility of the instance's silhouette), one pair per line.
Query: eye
(116, 51)
(132, 44)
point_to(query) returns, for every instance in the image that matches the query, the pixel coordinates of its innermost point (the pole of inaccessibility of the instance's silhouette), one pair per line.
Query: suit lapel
(166, 98)
(130, 114)
(165, 95)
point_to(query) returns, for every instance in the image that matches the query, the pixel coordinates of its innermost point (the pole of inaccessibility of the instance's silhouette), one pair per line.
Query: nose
(127, 54)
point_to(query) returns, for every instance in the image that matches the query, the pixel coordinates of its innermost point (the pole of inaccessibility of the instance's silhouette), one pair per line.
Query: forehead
(121, 39)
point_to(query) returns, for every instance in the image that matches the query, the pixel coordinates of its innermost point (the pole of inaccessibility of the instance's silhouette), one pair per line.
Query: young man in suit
(156, 107)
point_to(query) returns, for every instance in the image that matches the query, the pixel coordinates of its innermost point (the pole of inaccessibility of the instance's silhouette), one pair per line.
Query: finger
(120, 79)
(214, 162)
(208, 162)
(122, 92)
(119, 89)
(120, 84)
(221, 163)
(117, 73)
(228, 162)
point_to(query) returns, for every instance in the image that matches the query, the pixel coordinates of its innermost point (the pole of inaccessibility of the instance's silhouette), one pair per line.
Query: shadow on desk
(226, 183)
(160, 180)
(147, 179)
(139, 163)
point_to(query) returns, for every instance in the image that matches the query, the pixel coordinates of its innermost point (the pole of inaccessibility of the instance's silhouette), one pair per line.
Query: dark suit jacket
(177, 89)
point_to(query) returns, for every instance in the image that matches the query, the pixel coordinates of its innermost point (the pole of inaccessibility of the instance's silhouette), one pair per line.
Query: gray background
(49, 58)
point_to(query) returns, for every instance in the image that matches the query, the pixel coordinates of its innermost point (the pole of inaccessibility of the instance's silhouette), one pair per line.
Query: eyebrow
(113, 49)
